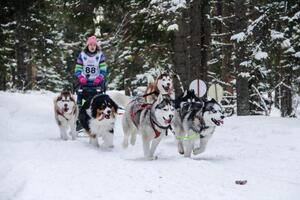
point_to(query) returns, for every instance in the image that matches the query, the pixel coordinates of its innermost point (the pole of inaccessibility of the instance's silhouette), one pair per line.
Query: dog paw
(152, 158)
(197, 151)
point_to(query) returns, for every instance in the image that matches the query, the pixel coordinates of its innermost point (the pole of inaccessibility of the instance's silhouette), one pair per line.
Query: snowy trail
(35, 164)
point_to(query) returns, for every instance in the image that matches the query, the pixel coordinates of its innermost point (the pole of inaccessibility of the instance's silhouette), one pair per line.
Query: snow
(261, 55)
(297, 54)
(173, 27)
(239, 37)
(285, 44)
(35, 164)
(276, 35)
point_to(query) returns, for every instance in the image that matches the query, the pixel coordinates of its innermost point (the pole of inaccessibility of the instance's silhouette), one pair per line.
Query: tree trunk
(227, 46)
(191, 44)
(242, 85)
(180, 53)
(200, 39)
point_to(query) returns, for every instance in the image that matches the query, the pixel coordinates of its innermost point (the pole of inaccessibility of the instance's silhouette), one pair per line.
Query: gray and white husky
(151, 121)
(195, 119)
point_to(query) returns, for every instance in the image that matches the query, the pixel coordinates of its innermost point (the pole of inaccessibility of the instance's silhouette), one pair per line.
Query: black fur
(190, 96)
(189, 103)
(98, 102)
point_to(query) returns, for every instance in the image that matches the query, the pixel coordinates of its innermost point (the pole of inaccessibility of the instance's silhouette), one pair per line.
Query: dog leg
(180, 147)
(125, 140)
(189, 145)
(146, 146)
(153, 147)
(63, 132)
(94, 141)
(73, 131)
(108, 140)
(203, 144)
(133, 137)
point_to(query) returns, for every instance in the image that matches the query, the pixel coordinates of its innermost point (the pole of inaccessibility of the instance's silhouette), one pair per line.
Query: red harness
(140, 108)
(157, 133)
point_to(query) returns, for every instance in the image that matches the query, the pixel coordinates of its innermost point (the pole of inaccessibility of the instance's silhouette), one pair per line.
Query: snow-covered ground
(36, 165)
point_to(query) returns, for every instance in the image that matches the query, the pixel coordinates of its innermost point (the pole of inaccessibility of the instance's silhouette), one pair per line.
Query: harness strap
(148, 94)
(134, 112)
(62, 114)
(157, 133)
(193, 136)
(188, 137)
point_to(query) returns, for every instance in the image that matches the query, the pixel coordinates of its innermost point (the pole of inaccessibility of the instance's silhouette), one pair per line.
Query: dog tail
(121, 99)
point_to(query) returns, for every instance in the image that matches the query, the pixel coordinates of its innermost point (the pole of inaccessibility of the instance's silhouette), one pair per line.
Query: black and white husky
(66, 112)
(195, 119)
(97, 118)
(151, 121)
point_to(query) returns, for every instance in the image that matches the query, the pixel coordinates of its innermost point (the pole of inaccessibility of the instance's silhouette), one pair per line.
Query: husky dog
(195, 120)
(98, 117)
(150, 120)
(66, 112)
(162, 85)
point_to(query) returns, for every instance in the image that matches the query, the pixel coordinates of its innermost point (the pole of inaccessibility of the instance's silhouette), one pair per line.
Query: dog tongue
(168, 121)
(221, 121)
(101, 117)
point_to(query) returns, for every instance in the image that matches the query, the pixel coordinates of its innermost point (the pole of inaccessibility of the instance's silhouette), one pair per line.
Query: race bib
(91, 65)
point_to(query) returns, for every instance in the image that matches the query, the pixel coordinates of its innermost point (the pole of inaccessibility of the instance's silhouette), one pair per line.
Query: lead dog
(151, 121)
(66, 112)
(195, 119)
(97, 118)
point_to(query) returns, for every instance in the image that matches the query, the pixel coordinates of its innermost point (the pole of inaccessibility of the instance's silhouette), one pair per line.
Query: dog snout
(109, 111)
(168, 84)
(222, 116)
(171, 116)
(65, 105)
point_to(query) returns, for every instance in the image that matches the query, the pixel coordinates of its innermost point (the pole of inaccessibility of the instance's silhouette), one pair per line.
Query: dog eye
(214, 111)
(165, 109)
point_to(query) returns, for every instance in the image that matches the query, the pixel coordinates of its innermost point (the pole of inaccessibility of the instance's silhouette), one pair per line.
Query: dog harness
(136, 111)
(62, 114)
(195, 135)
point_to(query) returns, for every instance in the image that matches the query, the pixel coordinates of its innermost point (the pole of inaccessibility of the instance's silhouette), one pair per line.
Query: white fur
(145, 129)
(101, 129)
(67, 121)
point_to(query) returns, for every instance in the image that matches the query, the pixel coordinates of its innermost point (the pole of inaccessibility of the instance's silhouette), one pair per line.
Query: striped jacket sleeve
(103, 66)
(79, 66)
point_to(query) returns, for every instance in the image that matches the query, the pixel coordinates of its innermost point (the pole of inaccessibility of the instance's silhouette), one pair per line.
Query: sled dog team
(192, 119)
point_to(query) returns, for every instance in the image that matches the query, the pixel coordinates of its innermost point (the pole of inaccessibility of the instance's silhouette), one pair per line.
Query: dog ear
(115, 105)
(213, 100)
